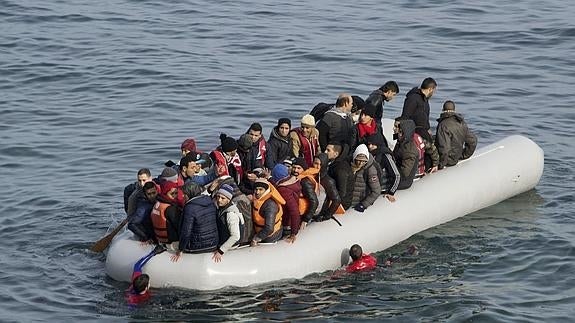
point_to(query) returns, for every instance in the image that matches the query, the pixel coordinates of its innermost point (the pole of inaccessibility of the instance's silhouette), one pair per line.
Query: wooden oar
(103, 243)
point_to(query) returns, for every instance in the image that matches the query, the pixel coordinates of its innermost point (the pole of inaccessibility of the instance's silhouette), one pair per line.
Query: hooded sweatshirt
(406, 154)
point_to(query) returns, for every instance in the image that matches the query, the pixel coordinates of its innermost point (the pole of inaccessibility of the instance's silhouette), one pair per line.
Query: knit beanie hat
(192, 189)
(376, 139)
(361, 153)
(226, 190)
(245, 142)
(228, 143)
(260, 182)
(284, 120)
(279, 172)
(308, 120)
(189, 144)
(169, 174)
(300, 161)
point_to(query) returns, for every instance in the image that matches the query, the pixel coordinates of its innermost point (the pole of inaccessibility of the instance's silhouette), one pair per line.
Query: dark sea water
(91, 91)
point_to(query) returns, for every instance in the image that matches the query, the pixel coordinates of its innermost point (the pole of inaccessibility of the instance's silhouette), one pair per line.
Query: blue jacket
(140, 223)
(199, 231)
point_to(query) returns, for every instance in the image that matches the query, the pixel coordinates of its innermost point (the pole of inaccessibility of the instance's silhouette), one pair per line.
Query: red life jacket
(262, 151)
(366, 262)
(135, 299)
(223, 170)
(308, 148)
(418, 140)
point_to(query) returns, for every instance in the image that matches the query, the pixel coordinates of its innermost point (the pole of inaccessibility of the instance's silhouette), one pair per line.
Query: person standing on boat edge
(308, 201)
(139, 291)
(267, 213)
(230, 222)
(199, 230)
(279, 143)
(289, 188)
(304, 139)
(454, 140)
(405, 152)
(360, 261)
(337, 124)
(378, 98)
(416, 104)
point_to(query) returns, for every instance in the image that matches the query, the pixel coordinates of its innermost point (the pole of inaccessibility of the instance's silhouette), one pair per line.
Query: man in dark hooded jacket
(416, 104)
(199, 229)
(454, 140)
(279, 143)
(405, 152)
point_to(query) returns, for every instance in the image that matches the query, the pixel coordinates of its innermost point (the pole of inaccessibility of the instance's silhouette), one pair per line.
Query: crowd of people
(250, 190)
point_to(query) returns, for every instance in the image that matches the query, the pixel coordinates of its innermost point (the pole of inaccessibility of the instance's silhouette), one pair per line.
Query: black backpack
(319, 110)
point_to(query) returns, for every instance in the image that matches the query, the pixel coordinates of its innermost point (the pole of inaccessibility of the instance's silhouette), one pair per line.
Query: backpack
(245, 207)
(319, 110)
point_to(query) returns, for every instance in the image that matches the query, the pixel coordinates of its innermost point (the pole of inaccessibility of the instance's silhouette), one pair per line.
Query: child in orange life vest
(360, 261)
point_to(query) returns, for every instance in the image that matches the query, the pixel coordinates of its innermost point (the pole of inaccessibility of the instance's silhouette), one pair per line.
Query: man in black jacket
(279, 143)
(336, 125)
(416, 104)
(378, 97)
(454, 140)
(405, 153)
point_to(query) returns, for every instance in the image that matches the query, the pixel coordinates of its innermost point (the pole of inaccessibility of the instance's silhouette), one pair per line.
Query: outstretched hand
(217, 257)
(291, 238)
(175, 257)
(389, 197)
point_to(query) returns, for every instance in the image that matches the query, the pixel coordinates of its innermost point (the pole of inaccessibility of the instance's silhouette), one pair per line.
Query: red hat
(189, 144)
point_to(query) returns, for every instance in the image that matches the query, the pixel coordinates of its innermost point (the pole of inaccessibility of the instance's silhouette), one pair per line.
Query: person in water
(360, 261)
(139, 291)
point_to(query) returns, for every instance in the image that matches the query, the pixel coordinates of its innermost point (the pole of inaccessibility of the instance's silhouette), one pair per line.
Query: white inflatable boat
(495, 173)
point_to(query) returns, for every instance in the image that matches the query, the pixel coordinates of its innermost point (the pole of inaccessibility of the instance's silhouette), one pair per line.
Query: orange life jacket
(159, 221)
(311, 174)
(258, 219)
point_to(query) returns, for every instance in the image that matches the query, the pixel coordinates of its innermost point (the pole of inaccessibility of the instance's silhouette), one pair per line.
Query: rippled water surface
(92, 91)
